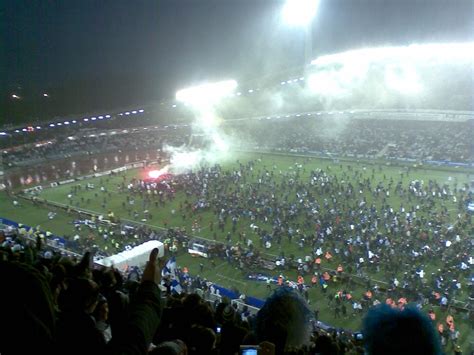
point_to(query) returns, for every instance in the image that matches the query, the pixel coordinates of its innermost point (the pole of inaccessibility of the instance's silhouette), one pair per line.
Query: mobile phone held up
(249, 349)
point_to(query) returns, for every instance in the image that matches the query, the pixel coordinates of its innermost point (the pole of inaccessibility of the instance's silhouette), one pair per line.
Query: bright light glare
(341, 73)
(155, 174)
(402, 78)
(206, 94)
(402, 69)
(299, 12)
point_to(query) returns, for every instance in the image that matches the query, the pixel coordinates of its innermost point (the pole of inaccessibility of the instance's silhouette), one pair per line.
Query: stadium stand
(83, 308)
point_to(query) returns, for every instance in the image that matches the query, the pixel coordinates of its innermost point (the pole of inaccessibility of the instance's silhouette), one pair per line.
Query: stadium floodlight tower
(300, 13)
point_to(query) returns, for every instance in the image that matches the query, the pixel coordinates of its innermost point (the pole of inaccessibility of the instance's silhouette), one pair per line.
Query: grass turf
(225, 274)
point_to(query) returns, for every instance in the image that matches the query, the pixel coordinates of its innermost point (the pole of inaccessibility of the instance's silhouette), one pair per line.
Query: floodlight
(299, 12)
(403, 78)
(45, 95)
(206, 94)
(14, 96)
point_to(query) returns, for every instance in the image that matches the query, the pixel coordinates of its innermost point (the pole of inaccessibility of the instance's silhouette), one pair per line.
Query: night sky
(93, 55)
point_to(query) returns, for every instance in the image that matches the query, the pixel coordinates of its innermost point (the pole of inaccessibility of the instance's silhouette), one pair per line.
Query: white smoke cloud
(202, 100)
(384, 71)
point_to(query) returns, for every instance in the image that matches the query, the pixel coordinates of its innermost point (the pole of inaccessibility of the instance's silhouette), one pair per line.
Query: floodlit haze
(96, 55)
(406, 70)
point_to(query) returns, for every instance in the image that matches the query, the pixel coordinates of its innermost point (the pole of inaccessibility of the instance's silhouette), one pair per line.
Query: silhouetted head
(389, 330)
(284, 320)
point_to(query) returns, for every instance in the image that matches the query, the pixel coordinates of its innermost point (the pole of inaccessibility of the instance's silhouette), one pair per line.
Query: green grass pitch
(224, 274)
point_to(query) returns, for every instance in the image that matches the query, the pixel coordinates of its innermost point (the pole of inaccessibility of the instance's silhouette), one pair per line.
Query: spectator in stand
(233, 333)
(29, 319)
(389, 330)
(284, 320)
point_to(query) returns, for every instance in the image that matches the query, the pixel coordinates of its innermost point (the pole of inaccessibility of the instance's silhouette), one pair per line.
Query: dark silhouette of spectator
(232, 333)
(201, 340)
(144, 312)
(284, 320)
(389, 330)
(27, 324)
(174, 347)
(77, 331)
